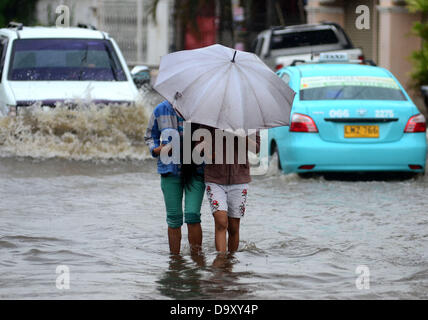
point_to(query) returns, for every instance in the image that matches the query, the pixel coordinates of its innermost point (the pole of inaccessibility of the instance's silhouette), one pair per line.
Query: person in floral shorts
(226, 189)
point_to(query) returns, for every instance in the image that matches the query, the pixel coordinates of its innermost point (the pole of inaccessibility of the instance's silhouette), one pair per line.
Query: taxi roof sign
(333, 57)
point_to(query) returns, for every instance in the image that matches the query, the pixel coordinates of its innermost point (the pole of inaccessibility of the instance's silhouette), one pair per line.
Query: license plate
(361, 131)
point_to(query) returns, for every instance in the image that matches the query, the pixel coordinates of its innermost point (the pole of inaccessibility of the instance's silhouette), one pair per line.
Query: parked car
(279, 46)
(348, 117)
(48, 65)
(424, 90)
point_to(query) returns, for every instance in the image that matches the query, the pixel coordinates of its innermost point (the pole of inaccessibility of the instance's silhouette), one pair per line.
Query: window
(350, 88)
(65, 59)
(351, 93)
(303, 39)
(259, 46)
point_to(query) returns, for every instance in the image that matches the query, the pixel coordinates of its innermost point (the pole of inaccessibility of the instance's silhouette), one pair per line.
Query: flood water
(72, 195)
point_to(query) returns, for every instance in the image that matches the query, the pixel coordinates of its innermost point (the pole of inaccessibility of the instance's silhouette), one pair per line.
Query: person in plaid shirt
(177, 180)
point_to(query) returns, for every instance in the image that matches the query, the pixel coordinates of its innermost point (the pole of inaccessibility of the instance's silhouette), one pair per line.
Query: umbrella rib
(255, 96)
(195, 81)
(180, 70)
(224, 94)
(256, 72)
(215, 55)
(208, 68)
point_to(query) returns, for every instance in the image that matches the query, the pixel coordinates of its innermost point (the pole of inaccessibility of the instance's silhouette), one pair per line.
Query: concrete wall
(395, 42)
(81, 11)
(318, 11)
(159, 34)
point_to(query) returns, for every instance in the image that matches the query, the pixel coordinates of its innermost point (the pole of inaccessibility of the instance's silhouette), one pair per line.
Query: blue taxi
(348, 117)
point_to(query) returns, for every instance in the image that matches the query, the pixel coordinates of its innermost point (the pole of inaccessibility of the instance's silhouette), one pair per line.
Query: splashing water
(114, 131)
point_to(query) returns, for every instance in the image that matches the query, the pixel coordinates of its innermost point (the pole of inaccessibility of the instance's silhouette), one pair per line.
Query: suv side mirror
(141, 76)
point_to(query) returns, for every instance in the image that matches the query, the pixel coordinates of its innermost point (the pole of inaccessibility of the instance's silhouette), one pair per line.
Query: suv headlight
(12, 110)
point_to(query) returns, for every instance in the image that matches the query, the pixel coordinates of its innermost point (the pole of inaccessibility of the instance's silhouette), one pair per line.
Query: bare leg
(195, 237)
(174, 238)
(233, 230)
(221, 222)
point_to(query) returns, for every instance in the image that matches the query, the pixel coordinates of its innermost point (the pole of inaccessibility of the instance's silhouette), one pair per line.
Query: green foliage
(417, 5)
(17, 10)
(419, 58)
(420, 66)
(421, 30)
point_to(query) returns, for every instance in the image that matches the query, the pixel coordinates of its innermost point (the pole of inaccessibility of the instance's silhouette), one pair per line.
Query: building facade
(141, 39)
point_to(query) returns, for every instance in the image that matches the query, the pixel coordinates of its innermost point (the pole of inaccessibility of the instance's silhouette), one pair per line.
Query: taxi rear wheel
(274, 158)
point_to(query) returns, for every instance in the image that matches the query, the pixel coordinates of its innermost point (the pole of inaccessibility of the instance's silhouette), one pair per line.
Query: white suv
(48, 65)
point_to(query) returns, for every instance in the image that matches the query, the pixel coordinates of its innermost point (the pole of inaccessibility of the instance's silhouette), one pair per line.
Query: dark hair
(188, 171)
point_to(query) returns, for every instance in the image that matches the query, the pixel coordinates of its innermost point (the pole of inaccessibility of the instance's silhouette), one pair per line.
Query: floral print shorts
(231, 198)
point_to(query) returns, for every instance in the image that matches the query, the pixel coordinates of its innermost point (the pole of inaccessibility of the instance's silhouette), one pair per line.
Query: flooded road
(98, 214)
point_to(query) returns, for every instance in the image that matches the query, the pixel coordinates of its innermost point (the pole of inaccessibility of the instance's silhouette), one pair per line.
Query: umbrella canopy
(224, 88)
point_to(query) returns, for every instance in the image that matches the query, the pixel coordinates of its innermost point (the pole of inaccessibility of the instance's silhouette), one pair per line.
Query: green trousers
(173, 192)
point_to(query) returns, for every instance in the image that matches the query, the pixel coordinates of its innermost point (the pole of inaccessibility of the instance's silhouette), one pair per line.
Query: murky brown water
(92, 202)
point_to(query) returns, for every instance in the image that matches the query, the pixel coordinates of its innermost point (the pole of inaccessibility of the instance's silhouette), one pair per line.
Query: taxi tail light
(302, 123)
(307, 167)
(416, 123)
(279, 66)
(415, 166)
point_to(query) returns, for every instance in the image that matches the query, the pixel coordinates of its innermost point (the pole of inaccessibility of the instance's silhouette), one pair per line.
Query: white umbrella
(224, 88)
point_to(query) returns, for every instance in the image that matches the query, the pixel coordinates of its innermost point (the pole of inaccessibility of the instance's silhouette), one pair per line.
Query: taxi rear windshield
(350, 88)
(65, 59)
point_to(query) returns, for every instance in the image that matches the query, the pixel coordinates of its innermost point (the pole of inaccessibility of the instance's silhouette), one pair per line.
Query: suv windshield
(303, 39)
(350, 88)
(65, 59)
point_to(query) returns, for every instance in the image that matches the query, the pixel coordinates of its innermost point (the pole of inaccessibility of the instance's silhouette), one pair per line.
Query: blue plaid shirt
(163, 117)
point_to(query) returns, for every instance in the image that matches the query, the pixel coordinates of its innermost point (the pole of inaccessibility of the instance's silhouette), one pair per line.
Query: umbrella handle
(178, 112)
